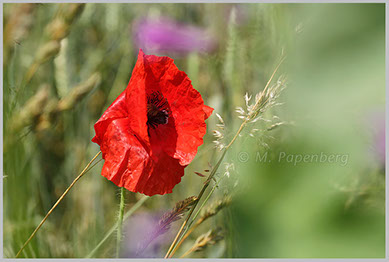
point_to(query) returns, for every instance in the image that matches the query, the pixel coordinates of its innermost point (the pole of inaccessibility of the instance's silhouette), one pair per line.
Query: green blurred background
(60, 77)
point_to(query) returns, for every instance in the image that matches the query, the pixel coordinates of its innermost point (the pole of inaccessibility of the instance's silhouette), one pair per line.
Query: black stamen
(157, 110)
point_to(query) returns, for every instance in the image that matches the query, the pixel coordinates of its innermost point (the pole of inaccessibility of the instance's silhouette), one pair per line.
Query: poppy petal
(121, 149)
(136, 99)
(166, 173)
(208, 111)
(117, 110)
(184, 132)
(128, 164)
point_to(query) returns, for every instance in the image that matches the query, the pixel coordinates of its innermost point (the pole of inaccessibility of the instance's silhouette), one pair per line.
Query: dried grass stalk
(29, 114)
(57, 30)
(78, 92)
(207, 239)
(18, 26)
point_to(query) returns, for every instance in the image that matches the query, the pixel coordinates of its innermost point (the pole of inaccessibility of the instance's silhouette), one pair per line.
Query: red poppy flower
(151, 132)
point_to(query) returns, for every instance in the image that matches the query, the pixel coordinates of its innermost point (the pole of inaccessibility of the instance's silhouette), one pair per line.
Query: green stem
(120, 222)
(210, 177)
(185, 226)
(86, 169)
(204, 202)
(194, 217)
(113, 228)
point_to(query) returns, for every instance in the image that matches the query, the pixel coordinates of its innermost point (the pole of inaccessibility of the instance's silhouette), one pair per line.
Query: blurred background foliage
(65, 63)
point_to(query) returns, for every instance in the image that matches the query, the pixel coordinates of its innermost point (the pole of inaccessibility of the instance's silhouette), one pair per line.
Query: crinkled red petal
(128, 164)
(117, 110)
(208, 111)
(184, 132)
(136, 99)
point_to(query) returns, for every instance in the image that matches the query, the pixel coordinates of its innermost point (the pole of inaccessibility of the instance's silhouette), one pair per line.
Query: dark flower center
(157, 110)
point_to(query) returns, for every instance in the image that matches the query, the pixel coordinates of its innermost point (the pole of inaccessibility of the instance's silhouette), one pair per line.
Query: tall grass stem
(185, 226)
(56, 204)
(186, 233)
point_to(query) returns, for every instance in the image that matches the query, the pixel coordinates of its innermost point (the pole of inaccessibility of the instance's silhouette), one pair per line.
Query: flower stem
(56, 204)
(120, 222)
(113, 228)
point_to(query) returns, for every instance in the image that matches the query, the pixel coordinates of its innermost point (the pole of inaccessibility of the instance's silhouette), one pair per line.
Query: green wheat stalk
(262, 101)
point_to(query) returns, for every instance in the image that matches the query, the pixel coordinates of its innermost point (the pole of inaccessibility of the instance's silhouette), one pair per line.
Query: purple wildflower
(139, 229)
(164, 35)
